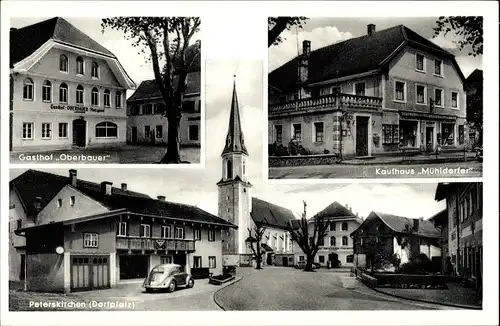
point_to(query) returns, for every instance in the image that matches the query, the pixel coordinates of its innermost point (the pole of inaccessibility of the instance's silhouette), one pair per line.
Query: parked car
(167, 276)
(302, 264)
(479, 154)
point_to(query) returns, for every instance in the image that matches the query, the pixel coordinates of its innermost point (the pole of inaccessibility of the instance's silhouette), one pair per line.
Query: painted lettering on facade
(76, 109)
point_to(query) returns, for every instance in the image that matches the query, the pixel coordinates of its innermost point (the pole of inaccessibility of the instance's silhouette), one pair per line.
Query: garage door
(89, 272)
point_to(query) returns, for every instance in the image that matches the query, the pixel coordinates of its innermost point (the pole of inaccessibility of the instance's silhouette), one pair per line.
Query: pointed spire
(234, 139)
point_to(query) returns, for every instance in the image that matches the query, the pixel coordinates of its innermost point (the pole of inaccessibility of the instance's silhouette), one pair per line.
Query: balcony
(137, 243)
(330, 102)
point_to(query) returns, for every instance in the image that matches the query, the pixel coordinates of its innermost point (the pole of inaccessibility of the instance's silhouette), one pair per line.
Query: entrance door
(429, 138)
(334, 260)
(89, 272)
(79, 132)
(269, 260)
(180, 259)
(133, 266)
(362, 136)
(23, 267)
(285, 261)
(134, 135)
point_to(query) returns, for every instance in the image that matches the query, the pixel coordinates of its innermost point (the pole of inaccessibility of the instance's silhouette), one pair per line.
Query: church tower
(235, 199)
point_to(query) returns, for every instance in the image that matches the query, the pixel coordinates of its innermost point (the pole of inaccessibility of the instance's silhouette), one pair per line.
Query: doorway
(89, 272)
(79, 132)
(269, 259)
(134, 135)
(362, 136)
(334, 260)
(23, 268)
(429, 138)
(285, 261)
(134, 266)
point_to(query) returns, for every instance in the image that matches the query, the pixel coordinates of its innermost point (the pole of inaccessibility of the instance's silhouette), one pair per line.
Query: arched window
(28, 89)
(80, 68)
(79, 94)
(95, 96)
(46, 91)
(333, 242)
(107, 98)
(106, 130)
(63, 93)
(244, 168)
(229, 169)
(118, 100)
(63, 63)
(95, 70)
(344, 226)
(345, 241)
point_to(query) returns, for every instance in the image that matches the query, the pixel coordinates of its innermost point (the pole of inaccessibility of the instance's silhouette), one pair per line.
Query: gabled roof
(148, 89)
(334, 210)
(270, 214)
(475, 79)
(354, 56)
(235, 142)
(25, 41)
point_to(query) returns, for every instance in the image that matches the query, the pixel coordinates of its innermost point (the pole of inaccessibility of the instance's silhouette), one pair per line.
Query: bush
(277, 150)
(325, 151)
(420, 265)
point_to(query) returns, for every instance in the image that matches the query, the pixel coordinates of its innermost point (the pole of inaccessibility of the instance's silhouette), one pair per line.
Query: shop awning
(427, 116)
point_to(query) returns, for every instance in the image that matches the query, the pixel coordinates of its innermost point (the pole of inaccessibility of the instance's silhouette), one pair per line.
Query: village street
(438, 170)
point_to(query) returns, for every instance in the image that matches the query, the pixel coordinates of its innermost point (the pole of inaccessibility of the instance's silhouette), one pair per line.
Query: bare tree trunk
(259, 261)
(309, 263)
(172, 156)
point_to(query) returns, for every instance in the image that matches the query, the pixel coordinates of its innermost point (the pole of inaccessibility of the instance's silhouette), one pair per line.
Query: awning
(427, 116)
(266, 247)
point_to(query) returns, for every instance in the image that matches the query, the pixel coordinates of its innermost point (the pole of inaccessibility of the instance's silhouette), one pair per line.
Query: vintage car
(167, 276)
(302, 264)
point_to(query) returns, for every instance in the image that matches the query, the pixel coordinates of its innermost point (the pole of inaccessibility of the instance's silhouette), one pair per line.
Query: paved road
(275, 288)
(443, 170)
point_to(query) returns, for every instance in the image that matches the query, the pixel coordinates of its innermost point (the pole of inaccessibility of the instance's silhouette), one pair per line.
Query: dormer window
(79, 66)
(63, 63)
(95, 70)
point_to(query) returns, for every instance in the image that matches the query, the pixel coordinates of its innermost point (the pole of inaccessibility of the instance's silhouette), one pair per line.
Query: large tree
(309, 243)
(255, 236)
(166, 43)
(468, 28)
(276, 25)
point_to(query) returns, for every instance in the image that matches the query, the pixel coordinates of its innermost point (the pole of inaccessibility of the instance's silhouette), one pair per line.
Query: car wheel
(172, 286)
(190, 283)
(148, 290)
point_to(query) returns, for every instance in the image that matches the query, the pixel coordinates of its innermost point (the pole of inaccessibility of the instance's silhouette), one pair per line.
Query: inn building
(387, 92)
(68, 234)
(66, 89)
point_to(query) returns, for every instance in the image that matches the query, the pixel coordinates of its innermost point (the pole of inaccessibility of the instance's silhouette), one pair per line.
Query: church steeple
(234, 140)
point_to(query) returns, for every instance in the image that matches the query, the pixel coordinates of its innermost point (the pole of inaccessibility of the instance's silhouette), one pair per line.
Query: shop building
(384, 93)
(69, 234)
(66, 89)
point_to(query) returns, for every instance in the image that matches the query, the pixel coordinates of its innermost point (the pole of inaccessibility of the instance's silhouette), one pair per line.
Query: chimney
(347, 206)
(161, 198)
(357, 214)
(304, 62)
(370, 29)
(124, 186)
(106, 187)
(416, 223)
(72, 178)
(350, 209)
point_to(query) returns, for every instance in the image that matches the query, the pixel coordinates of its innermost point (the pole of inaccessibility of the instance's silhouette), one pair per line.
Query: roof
(270, 214)
(266, 247)
(476, 77)
(398, 224)
(440, 218)
(442, 191)
(235, 142)
(148, 89)
(353, 56)
(25, 41)
(334, 210)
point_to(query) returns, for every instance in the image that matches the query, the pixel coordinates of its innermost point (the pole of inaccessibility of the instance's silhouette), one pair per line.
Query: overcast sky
(325, 31)
(198, 186)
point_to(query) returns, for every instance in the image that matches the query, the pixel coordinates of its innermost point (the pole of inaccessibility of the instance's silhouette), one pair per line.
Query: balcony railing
(327, 101)
(136, 243)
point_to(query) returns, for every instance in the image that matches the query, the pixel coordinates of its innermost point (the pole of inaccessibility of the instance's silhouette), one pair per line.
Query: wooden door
(89, 272)
(134, 135)
(361, 136)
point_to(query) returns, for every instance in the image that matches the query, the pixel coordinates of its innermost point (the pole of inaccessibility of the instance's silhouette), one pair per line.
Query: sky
(198, 186)
(325, 31)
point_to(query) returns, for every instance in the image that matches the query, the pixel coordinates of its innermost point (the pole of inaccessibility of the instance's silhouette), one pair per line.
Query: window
(301, 258)
(335, 90)
(27, 130)
(159, 108)
(466, 208)
(47, 91)
(349, 259)
(344, 226)
(63, 93)
(90, 240)
(333, 242)
(147, 131)
(166, 260)
(122, 228)
(420, 62)
(454, 100)
(193, 132)
(118, 100)
(106, 130)
(95, 70)
(278, 134)
(359, 89)
(79, 66)
(46, 131)
(297, 131)
(438, 67)
(79, 94)
(198, 107)
(63, 63)
(197, 262)
(447, 134)
(95, 97)
(321, 241)
(211, 262)
(165, 231)
(145, 231)
(188, 106)
(134, 109)
(211, 235)
(400, 91)
(147, 109)
(28, 89)
(332, 226)
(63, 130)
(318, 132)
(421, 95)
(438, 97)
(345, 241)
(179, 232)
(72, 201)
(19, 223)
(159, 131)
(311, 241)
(321, 259)
(197, 234)
(59, 203)
(107, 98)
(229, 169)
(461, 134)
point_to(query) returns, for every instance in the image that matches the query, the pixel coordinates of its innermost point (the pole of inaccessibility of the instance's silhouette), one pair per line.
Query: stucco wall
(105, 228)
(45, 272)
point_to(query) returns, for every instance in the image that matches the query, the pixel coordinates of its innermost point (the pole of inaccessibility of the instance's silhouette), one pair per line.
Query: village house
(68, 234)
(384, 93)
(66, 89)
(464, 203)
(474, 87)
(394, 237)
